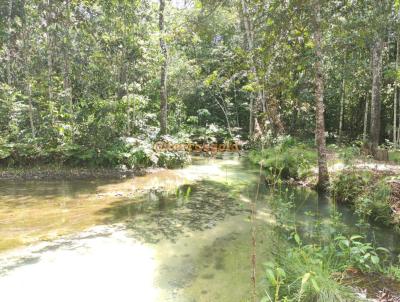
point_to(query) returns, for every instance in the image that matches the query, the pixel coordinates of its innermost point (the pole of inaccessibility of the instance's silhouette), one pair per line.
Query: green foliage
(171, 160)
(348, 185)
(374, 204)
(393, 272)
(307, 272)
(353, 252)
(349, 154)
(308, 277)
(394, 156)
(285, 159)
(210, 134)
(370, 198)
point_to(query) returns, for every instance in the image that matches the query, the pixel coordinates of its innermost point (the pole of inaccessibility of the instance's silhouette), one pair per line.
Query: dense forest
(307, 91)
(77, 77)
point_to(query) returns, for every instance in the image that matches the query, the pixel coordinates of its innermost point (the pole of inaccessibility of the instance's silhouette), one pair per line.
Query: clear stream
(172, 235)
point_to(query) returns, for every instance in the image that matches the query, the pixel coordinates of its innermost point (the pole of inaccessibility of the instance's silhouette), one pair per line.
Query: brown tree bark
(249, 39)
(376, 94)
(27, 81)
(49, 51)
(9, 21)
(366, 118)
(395, 102)
(323, 176)
(164, 66)
(342, 112)
(67, 70)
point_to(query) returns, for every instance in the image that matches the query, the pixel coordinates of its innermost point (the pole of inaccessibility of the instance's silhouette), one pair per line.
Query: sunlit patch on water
(101, 268)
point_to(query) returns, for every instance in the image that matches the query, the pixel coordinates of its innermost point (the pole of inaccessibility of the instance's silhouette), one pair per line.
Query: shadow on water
(159, 215)
(31, 190)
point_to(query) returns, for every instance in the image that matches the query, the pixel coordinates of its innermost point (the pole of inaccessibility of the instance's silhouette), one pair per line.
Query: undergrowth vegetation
(313, 272)
(285, 158)
(127, 152)
(369, 196)
(318, 270)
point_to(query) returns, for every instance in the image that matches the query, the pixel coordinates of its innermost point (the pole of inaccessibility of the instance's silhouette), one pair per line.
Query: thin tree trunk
(28, 84)
(395, 103)
(49, 53)
(31, 110)
(9, 21)
(342, 112)
(67, 81)
(376, 94)
(236, 105)
(225, 112)
(251, 116)
(249, 38)
(128, 119)
(133, 115)
(366, 118)
(164, 66)
(323, 176)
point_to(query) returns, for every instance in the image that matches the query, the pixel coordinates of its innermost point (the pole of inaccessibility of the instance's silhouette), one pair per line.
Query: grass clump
(370, 198)
(348, 185)
(394, 156)
(374, 204)
(313, 272)
(320, 268)
(286, 158)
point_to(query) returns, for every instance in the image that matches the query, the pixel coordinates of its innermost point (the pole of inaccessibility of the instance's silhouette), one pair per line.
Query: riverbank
(64, 172)
(47, 172)
(370, 187)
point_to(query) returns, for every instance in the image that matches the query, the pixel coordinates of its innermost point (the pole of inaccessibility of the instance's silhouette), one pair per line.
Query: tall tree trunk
(342, 112)
(249, 39)
(323, 176)
(164, 66)
(9, 21)
(67, 70)
(27, 82)
(49, 52)
(366, 118)
(376, 94)
(395, 103)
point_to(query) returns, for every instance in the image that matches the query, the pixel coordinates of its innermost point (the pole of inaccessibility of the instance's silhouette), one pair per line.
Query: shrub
(349, 154)
(172, 160)
(348, 185)
(374, 204)
(394, 156)
(307, 272)
(370, 199)
(287, 159)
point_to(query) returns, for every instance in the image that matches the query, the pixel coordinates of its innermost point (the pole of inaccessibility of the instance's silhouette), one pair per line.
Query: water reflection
(318, 217)
(166, 216)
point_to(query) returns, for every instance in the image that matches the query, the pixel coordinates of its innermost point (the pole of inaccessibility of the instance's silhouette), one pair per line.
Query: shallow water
(181, 235)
